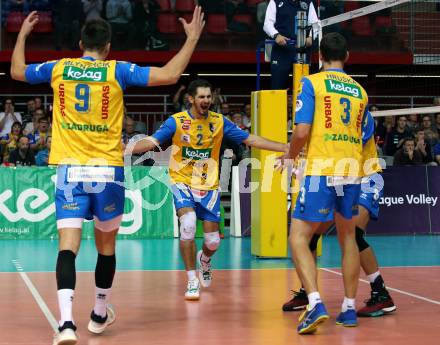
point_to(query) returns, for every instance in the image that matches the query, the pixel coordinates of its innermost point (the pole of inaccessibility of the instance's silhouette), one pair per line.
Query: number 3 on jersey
(82, 94)
(347, 109)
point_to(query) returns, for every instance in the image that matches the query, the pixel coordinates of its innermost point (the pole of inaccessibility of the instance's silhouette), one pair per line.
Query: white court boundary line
(390, 288)
(33, 290)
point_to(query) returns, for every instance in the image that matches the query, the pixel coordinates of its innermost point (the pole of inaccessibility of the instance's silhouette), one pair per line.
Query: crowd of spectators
(410, 140)
(24, 138)
(134, 22)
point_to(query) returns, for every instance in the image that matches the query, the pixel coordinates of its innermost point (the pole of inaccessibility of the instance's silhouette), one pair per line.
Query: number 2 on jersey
(82, 94)
(347, 109)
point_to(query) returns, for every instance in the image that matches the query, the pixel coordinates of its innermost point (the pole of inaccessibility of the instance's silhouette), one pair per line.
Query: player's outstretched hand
(29, 23)
(194, 29)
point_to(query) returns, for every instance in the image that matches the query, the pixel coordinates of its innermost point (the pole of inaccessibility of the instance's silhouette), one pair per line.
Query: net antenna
(384, 4)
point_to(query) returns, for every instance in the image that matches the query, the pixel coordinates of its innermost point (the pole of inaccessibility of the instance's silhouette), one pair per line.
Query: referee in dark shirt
(279, 24)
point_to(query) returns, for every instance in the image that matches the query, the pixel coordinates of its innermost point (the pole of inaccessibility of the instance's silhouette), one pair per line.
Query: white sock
(191, 275)
(65, 303)
(349, 303)
(314, 299)
(102, 296)
(372, 277)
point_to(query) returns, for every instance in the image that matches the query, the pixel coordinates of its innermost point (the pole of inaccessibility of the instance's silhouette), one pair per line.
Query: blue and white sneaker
(347, 318)
(311, 319)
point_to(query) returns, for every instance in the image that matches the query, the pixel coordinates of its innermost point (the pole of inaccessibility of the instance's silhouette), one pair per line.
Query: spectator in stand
(384, 127)
(431, 134)
(145, 21)
(22, 155)
(67, 15)
(180, 99)
(437, 122)
(8, 117)
(120, 16)
(413, 123)
(92, 9)
(247, 113)
(423, 146)
(31, 127)
(38, 103)
(408, 154)
(237, 119)
(129, 130)
(37, 139)
(217, 100)
(225, 110)
(9, 141)
(29, 114)
(42, 158)
(437, 153)
(395, 138)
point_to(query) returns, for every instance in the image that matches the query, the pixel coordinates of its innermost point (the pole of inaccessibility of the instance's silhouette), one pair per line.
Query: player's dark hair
(195, 84)
(333, 47)
(408, 139)
(96, 34)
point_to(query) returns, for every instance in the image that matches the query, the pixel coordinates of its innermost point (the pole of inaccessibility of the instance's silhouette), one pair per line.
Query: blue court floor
(235, 253)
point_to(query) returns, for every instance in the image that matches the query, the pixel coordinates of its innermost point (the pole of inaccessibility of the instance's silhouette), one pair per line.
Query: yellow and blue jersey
(335, 106)
(195, 157)
(88, 107)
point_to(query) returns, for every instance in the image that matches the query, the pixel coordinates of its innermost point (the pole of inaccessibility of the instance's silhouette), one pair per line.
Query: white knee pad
(188, 226)
(212, 240)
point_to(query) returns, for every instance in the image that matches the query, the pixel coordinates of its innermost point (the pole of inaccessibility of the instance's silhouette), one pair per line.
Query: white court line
(390, 288)
(43, 306)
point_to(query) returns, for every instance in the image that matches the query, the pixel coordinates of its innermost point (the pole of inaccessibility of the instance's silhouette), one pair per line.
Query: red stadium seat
(361, 26)
(165, 5)
(217, 24)
(167, 23)
(245, 18)
(14, 21)
(384, 22)
(45, 23)
(351, 6)
(185, 5)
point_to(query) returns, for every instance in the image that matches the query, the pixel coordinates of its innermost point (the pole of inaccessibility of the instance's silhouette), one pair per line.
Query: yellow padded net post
(269, 202)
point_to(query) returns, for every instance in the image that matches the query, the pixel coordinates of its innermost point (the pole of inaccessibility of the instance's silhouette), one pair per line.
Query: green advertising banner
(27, 208)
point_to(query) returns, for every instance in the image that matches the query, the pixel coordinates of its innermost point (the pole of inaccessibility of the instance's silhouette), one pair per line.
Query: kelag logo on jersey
(88, 74)
(343, 88)
(196, 154)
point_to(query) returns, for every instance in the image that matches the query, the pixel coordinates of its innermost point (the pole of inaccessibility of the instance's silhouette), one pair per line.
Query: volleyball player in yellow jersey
(329, 115)
(380, 302)
(196, 137)
(86, 146)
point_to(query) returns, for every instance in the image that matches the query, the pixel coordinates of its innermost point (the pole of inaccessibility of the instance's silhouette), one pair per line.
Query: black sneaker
(380, 303)
(298, 302)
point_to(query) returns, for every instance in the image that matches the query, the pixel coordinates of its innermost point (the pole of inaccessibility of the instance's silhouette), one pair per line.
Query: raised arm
(18, 61)
(143, 145)
(171, 72)
(265, 144)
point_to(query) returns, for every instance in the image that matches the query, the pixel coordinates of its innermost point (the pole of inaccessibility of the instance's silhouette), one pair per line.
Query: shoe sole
(101, 330)
(191, 298)
(347, 324)
(295, 308)
(314, 326)
(68, 342)
(378, 313)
